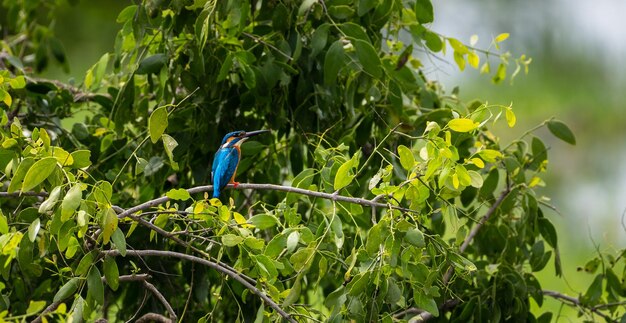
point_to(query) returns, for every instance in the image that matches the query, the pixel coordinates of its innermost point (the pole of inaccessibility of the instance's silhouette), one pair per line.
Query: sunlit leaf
(463, 125)
(157, 123)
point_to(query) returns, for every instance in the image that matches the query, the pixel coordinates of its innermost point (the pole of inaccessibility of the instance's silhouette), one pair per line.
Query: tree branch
(213, 265)
(153, 317)
(271, 187)
(161, 298)
(478, 226)
(19, 194)
(576, 302)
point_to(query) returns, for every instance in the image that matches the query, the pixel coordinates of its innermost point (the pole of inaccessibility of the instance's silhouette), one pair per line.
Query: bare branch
(153, 317)
(213, 265)
(478, 226)
(20, 194)
(161, 298)
(576, 302)
(271, 187)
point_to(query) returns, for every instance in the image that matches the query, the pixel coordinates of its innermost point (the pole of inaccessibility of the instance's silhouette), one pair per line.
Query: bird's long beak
(254, 133)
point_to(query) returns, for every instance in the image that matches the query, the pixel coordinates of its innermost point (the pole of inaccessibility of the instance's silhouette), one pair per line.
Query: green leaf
(140, 166)
(81, 158)
(425, 302)
(67, 290)
(294, 293)
(263, 221)
(305, 6)
(152, 64)
(368, 57)
(406, 157)
(35, 306)
(231, 240)
(103, 193)
(19, 82)
(333, 62)
(71, 201)
(225, 68)
(319, 39)
(38, 173)
(154, 164)
(292, 241)
(375, 237)
(178, 194)
(52, 199)
(169, 144)
(548, 232)
(4, 226)
(415, 237)
(266, 267)
(344, 175)
(424, 11)
(302, 258)
(33, 229)
(63, 157)
(109, 224)
(561, 131)
(359, 283)
(21, 171)
(463, 125)
(433, 41)
(157, 123)
(111, 273)
(86, 262)
(126, 14)
(95, 286)
(594, 292)
(120, 241)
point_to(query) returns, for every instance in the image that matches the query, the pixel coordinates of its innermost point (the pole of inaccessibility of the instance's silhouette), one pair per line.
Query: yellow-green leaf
(178, 194)
(5, 97)
(35, 306)
(463, 125)
(490, 155)
(231, 240)
(38, 173)
(510, 117)
(473, 59)
(18, 82)
(502, 37)
(406, 157)
(157, 123)
(343, 176)
(81, 158)
(109, 224)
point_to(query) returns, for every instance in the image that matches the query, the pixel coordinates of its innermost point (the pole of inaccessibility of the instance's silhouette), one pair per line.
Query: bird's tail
(216, 193)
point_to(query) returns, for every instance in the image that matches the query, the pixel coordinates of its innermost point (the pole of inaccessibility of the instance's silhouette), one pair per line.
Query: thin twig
(213, 265)
(576, 302)
(162, 299)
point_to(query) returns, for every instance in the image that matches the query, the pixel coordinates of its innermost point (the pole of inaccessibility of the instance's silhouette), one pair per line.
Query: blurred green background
(578, 75)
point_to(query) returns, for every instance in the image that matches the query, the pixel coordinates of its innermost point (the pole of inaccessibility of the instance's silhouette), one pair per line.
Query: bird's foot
(235, 184)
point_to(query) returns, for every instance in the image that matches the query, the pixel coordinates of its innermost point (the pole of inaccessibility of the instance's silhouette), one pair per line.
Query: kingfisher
(227, 159)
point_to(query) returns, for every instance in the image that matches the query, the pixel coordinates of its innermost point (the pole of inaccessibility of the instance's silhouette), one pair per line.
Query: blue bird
(227, 159)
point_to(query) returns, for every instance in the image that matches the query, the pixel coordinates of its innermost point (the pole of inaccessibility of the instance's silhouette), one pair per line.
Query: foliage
(445, 218)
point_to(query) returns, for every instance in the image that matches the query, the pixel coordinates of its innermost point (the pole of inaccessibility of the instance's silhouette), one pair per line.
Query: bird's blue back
(224, 167)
